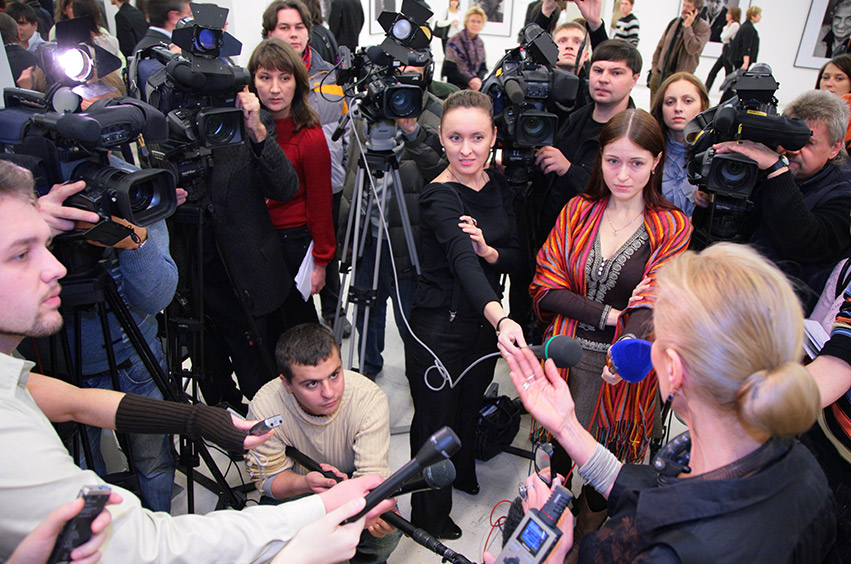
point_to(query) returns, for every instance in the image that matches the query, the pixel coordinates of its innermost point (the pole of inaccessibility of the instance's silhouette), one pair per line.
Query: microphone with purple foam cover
(630, 359)
(565, 351)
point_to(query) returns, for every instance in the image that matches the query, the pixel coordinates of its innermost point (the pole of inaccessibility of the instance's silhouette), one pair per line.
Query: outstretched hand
(325, 540)
(251, 441)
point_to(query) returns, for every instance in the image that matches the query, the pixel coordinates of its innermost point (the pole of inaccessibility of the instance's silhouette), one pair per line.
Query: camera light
(402, 29)
(76, 64)
(207, 39)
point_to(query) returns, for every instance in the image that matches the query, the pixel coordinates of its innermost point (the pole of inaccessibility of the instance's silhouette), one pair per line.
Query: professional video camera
(48, 134)
(372, 75)
(196, 91)
(730, 178)
(523, 86)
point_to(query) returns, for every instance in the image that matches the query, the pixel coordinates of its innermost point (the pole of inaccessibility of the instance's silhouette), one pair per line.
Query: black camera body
(69, 146)
(523, 86)
(730, 178)
(372, 74)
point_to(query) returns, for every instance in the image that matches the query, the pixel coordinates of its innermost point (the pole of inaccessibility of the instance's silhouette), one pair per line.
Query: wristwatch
(781, 162)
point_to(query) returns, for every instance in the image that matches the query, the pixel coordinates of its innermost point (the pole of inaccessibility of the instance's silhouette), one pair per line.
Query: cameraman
(146, 277)
(802, 204)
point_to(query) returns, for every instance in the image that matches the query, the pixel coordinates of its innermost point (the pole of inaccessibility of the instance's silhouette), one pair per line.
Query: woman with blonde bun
(737, 487)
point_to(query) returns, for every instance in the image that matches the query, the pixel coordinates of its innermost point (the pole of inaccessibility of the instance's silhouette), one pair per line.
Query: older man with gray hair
(802, 203)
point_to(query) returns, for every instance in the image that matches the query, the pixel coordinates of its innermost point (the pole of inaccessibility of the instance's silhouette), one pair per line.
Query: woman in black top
(468, 239)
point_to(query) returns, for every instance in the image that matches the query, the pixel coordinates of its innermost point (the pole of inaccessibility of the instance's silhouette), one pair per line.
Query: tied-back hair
(16, 181)
(307, 344)
(735, 13)
(822, 106)
(659, 100)
(842, 62)
(734, 319)
(639, 127)
(270, 15)
(468, 99)
(275, 54)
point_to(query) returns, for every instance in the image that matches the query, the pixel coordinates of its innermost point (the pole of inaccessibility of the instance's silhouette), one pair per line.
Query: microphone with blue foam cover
(630, 359)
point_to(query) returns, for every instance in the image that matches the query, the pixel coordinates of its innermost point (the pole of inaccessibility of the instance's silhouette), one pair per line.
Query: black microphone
(442, 444)
(378, 56)
(421, 537)
(565, 351)
(434, 477)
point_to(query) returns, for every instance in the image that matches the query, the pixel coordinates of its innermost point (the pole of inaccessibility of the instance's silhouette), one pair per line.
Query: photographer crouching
(799, 216)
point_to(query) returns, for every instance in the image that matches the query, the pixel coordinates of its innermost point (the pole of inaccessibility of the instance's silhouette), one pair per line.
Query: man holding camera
(802, 204)
(29, 290)
(146, 277)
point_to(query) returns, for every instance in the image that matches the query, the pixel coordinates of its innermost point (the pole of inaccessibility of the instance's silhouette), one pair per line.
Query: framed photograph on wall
(499, 15)
(827, 33)
(715, 13)
(378, 6)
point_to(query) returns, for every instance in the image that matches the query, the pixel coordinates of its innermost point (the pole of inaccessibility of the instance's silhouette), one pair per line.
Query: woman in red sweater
(280, 80)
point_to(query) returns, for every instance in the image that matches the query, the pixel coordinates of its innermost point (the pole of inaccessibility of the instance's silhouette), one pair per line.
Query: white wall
(780, 32)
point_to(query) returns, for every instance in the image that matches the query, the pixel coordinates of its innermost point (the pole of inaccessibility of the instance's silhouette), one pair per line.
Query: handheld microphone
(630, 359)
(434, 477)
(421, 537)
(565, 351)
(443, 444)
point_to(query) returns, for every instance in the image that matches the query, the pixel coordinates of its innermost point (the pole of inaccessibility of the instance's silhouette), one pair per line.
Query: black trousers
(721, 62)
(295, 310)
(458, 344)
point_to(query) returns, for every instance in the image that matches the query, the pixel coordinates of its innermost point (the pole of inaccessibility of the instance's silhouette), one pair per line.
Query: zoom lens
(402, 100)
(220, 127)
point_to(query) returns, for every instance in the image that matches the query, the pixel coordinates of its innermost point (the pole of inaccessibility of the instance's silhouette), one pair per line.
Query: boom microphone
(443, 444)
(565, 351)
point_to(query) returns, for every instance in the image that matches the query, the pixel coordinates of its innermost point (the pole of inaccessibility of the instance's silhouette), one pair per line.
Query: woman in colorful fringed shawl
(465, 65)
(595, 280)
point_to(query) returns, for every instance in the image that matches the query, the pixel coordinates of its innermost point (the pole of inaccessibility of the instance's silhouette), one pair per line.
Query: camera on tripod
(523, 85)
(373, 74)
(49, 135)
(196, 91)
(730, 178)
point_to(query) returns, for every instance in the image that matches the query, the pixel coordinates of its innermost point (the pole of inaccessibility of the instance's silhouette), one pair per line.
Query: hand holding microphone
(629, 359)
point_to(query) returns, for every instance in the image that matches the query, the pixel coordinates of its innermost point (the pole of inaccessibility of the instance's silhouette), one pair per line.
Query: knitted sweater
(355, 439)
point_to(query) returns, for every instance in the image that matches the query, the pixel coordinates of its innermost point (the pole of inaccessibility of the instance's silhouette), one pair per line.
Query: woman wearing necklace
(468, 239)
(595, 281)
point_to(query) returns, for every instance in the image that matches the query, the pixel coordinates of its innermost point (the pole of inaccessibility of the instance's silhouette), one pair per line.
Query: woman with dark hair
(835, 77)
(279, 78)
(595, 281)
(680, 98)
(468, 239)
(737, 487)
(100, 37)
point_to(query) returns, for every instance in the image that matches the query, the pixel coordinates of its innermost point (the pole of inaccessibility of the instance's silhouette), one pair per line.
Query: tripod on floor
(381, 161)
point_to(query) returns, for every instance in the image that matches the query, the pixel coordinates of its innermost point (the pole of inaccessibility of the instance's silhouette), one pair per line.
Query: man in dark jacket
(130, 26)
(345, 21)
(163, 15)
(802, 205)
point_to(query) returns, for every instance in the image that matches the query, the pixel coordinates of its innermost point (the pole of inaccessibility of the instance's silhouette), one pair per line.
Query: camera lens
(733, 172)
(219, 129)
(402, 103)
(536, 127)
(141, 197)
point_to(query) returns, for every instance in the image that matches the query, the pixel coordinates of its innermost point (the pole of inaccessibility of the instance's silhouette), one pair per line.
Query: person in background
(745, 46)
(729, 369)
(163, 16)
(715, 14)
(345, 20)
(100, 37)
(322, 39)
(130, 26)
(680, 98)
(835, 37)
(450, 19)
(835, 77)
(21, 62)
(466, 65)
(627, 27)
(680, 46)
(468, 238)
(734, 16)
(25, 16)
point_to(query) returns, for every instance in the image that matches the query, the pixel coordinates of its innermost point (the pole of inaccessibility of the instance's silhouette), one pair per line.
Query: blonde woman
(466, 65)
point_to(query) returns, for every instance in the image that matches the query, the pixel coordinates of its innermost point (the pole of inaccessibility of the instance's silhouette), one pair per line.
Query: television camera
(51, 136)
(523, 86)
(730, 178)
(196, 90)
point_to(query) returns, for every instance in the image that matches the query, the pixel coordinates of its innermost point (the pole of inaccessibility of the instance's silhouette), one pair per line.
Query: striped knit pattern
(627, 29)
(355, 439)
(624, 413)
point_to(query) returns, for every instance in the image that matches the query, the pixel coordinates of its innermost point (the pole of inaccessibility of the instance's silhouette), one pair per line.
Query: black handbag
(441, 31)
(497, 425)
